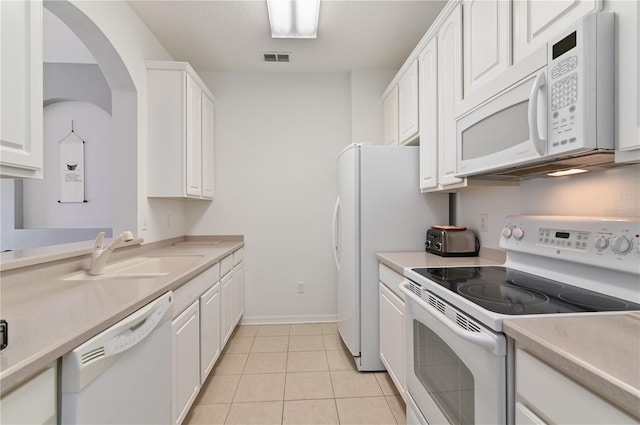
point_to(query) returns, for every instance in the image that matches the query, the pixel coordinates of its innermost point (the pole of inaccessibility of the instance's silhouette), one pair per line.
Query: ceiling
(217, 35)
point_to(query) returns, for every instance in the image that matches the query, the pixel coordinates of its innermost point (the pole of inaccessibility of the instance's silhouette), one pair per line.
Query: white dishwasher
(123, 375)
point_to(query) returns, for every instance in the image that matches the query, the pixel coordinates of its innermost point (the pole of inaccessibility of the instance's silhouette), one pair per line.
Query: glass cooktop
(509, 291)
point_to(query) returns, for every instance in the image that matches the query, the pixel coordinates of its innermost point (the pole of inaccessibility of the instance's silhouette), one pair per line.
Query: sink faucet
(100, 253)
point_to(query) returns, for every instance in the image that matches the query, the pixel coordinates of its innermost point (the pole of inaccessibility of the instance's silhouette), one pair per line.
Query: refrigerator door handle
(336, 233)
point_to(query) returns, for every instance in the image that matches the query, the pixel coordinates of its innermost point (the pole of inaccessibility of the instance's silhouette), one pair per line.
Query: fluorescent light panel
(567, 172)
(293, 18)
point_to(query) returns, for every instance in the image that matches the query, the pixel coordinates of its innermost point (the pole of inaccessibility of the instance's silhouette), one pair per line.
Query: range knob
(506, 232)
(601, 243)
(621, 245)
(518, 233)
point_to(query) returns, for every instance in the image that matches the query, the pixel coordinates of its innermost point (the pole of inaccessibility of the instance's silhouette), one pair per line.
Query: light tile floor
(293, 374)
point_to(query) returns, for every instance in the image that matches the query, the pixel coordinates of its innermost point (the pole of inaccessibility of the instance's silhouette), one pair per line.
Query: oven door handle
(489, 342)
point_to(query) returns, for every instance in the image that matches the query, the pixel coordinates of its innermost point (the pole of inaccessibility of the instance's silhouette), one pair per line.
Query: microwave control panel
(578, 76)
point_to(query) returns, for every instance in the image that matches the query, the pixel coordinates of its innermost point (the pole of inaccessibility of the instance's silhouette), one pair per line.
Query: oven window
(443, 375)
(496, 133)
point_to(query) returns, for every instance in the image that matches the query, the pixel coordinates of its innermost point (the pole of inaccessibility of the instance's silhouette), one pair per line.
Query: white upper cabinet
(628, 76)
(536, 21)
(391, 117)
(428, 82)
(207, 147)
(486, 40)
(408, 104)
(21, 108)
(180, 132)
(449, 94)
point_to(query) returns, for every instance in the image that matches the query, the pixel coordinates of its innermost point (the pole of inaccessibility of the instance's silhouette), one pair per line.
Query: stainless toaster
(452, 241)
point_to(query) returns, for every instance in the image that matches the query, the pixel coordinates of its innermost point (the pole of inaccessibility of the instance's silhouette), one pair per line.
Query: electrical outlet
(300, 287)
(484, 222)
(145, 222)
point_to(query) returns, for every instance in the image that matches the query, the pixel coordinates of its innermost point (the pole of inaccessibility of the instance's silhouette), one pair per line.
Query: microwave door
(505, 131)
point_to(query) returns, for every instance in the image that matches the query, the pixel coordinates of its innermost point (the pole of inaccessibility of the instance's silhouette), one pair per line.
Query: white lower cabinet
(34, 402)
(210, 344)
(186, 361)
(392, 338)
(546, 396)
(238, 293)
(226, 309)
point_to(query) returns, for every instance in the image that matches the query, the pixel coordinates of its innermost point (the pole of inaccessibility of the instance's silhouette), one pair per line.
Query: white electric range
(458, 359)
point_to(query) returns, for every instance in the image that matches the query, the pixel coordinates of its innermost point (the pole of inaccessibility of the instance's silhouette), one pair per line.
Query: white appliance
(379, 208)
(459, 364)
(122, 375)
(554, 108)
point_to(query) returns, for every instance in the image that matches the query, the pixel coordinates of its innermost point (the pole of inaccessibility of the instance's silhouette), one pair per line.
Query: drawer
(238, 256)
(391, 280)
(185, 295)
(226, 265)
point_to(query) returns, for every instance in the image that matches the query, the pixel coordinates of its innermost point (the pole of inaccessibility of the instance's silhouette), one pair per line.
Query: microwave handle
(538, 142)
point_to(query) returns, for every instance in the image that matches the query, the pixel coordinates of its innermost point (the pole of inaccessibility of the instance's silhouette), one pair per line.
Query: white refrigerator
(379, 208)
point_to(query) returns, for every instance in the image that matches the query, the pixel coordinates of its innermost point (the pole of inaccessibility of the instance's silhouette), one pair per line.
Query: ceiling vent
(275, 57)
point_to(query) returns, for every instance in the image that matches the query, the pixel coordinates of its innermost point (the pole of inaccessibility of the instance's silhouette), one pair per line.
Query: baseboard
(274, 320)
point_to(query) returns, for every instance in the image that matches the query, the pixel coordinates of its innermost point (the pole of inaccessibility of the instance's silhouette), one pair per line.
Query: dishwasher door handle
(89, 360)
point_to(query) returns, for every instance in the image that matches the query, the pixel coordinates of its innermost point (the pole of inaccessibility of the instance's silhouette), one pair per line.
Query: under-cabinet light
(293, 18)
(567, 172)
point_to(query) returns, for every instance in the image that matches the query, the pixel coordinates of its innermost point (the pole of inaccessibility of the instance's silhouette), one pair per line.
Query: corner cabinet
(180, 147)
(21, 108)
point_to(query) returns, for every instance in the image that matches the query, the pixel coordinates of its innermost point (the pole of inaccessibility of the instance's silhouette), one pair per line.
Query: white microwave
(551, 111)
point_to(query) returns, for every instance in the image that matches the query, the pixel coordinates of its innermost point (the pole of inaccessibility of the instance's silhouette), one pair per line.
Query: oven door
(456, 368)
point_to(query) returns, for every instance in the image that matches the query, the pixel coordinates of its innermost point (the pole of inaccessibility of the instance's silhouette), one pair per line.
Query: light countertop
(398, 261)
(601, 352)
(49, 316)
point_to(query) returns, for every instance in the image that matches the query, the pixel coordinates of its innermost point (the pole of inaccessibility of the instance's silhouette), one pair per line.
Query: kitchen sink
(140, 268)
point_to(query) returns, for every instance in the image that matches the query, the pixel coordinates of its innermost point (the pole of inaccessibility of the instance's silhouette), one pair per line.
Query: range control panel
(599, 241)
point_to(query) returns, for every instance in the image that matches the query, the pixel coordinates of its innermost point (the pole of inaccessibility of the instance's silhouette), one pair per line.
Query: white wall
(277, 140)
(607, 193)
(367, 110)
(93, 125)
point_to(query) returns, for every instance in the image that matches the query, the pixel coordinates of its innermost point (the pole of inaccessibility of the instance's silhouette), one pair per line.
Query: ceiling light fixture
(293, 18)
(567, 172)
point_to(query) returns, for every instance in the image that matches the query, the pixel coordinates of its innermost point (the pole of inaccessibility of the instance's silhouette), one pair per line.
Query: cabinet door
(194, 138)
(428, 86)
(628, 69)
(449, 94)
(536, 21)
(21, 110)
(392, 336)
(207, 147)
(486, 41)
(391, 118)
(408, 104)
(33, 402)
(209, 330)
(186, 362)
(238, 293)
(227, 307)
